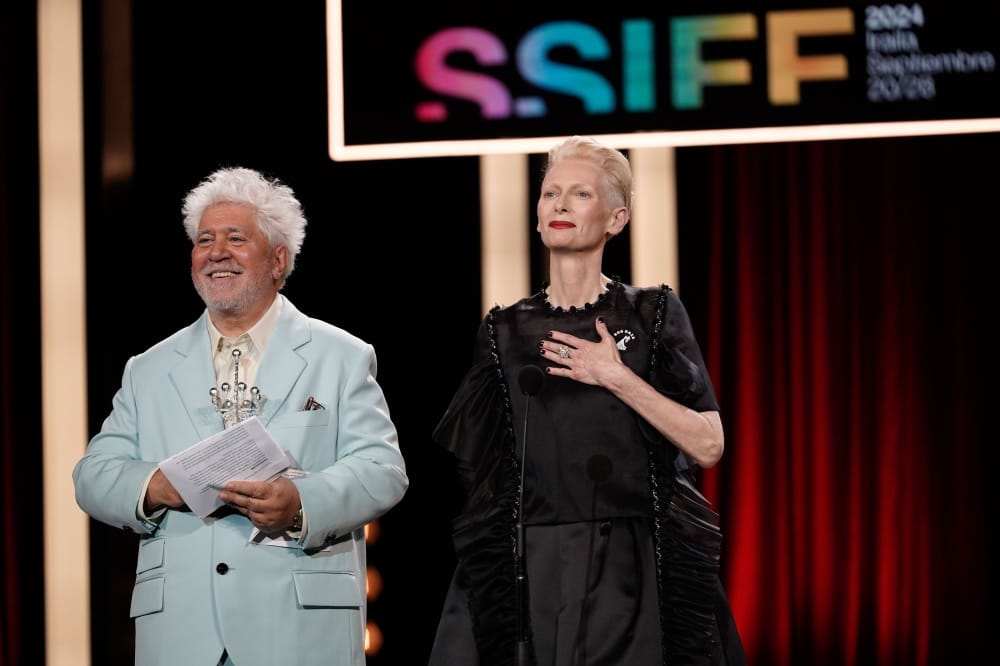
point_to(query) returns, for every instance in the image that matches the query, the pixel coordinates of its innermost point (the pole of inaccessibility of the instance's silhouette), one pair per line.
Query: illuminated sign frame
(470, 82)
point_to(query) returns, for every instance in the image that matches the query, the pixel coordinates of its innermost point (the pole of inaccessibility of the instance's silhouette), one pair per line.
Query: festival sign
(474, 78)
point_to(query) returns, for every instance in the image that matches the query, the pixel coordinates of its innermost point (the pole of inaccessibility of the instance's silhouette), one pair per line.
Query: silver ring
(563, 352)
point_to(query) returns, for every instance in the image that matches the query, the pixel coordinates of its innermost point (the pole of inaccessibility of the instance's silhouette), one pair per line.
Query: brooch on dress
(623, 336)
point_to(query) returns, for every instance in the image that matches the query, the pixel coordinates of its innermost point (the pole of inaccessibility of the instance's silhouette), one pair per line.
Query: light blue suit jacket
(200, 585)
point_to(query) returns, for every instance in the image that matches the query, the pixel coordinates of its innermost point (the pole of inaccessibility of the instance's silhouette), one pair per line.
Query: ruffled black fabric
(477, 429)
(692, 547)
(687, 538)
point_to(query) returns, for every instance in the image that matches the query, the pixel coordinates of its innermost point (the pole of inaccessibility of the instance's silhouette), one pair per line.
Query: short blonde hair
(612, 162)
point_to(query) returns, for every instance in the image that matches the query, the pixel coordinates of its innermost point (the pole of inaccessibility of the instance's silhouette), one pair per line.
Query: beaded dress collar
(612, 287)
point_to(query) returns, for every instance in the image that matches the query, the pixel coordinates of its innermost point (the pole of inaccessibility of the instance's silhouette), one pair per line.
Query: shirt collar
(259, 333)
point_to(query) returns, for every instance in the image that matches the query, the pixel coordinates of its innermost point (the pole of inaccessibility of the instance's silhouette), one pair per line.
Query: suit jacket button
(222, 568)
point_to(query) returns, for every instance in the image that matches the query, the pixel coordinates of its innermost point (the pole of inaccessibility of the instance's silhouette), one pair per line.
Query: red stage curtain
(845, 299)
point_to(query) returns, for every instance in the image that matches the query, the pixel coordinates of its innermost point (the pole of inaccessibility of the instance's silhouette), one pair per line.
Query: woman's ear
(619, 220)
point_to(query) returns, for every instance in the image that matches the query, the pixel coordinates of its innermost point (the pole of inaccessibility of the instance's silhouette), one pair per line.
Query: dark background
(391, 254)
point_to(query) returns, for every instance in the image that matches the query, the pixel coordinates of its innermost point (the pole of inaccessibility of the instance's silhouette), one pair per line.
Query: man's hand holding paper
(244, 452)
(270, 505)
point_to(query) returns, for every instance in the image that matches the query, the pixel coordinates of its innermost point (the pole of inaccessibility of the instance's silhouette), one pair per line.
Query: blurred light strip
(387, 151)
(64, 385)
(653, 233)
(505, 230)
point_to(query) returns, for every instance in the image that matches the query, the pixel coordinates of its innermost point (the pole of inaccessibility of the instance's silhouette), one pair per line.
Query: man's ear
(279, 262)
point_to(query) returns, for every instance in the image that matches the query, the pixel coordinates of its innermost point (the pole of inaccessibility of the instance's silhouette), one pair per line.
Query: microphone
(599, 468)
(530, 379)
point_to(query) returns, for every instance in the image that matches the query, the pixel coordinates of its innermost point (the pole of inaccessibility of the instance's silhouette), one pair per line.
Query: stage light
(373, 639)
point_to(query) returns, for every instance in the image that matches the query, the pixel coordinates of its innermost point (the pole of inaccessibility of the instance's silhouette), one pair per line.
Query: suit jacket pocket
(327, 589)
(150, 555)
(147, 597)
(303, 419)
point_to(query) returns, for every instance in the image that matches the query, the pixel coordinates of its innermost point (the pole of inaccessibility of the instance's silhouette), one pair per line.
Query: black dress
(617, 571)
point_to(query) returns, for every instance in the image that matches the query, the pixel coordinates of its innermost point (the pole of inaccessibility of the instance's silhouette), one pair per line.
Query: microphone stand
(531, 379)
(599, 468)
(521, 654)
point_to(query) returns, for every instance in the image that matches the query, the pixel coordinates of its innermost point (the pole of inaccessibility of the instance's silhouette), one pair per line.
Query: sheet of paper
(246, 452)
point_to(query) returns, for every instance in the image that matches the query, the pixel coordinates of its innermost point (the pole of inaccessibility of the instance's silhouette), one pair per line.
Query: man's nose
(219, 249)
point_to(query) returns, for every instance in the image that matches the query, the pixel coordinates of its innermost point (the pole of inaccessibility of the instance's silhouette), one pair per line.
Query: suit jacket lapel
(282, 364)
(194, 375)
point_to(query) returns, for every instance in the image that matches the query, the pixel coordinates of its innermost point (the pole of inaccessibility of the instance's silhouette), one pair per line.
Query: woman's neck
(569, 288)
